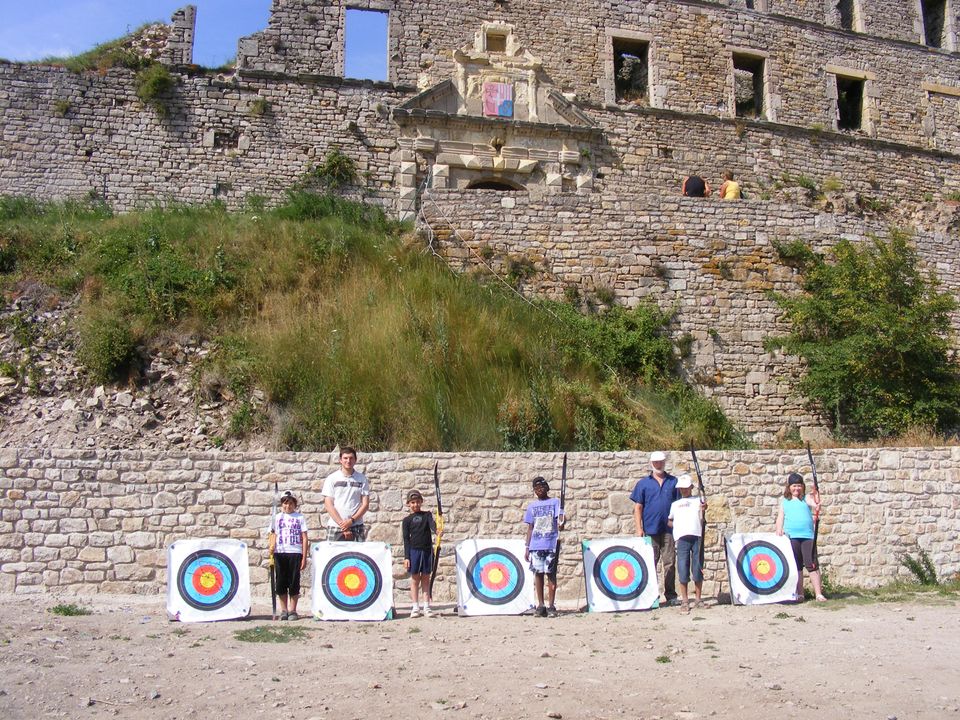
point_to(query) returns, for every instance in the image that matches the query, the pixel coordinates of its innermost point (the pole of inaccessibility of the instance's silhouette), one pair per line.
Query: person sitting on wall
(695, 186)
(730, 189)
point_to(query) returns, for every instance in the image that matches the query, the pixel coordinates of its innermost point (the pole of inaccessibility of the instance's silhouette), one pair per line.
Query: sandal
(685, 608)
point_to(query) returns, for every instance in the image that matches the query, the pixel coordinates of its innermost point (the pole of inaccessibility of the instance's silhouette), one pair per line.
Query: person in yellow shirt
(730, 189)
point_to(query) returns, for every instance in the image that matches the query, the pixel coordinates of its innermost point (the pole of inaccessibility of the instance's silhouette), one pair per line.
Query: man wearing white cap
(653, 496)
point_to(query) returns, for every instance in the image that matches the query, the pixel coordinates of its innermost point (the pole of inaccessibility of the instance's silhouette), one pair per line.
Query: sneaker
(552, 611)
(427, 612)
(672, 602)
(541, 611)
(284, 616)
(293, 616)
(415, 613)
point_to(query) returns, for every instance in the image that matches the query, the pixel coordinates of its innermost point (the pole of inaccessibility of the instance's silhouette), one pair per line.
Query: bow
(563, 490)
(273, 567)
(816, 497)
(439, 524)
(703, 500)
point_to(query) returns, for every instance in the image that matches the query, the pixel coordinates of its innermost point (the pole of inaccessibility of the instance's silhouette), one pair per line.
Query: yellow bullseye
(208, 580)
(352, 581)
(620, 573)
(763, 567)
(496, 576)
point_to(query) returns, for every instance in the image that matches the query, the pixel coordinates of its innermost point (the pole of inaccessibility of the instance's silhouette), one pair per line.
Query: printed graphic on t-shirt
(542, 514)
(290, 529)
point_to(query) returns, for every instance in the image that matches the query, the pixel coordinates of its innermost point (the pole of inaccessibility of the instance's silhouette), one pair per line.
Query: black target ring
(207, 580)
(762, 567)
(495, 576)
(620, 573)
(351, 581)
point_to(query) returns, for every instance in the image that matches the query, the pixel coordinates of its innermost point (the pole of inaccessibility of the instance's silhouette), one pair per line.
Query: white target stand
(492, 578)
(761, 568)
(208, 580)
(621, 574)
(352, 581)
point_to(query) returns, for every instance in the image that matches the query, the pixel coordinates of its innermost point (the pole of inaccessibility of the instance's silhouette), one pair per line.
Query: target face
(492, 578)
(620, 573)
(352, 581)
(762, 567)
(209, 580)
(495, 576)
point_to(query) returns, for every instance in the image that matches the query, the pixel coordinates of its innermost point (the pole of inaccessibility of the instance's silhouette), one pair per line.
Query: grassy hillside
(354, 332)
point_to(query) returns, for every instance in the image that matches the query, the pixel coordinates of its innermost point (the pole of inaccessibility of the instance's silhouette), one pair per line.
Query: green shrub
(874, 331)
(259, 107)
(154, 84)
(107, 346)
(921, 567)
(336, 171)
(61, 108)
(70, 610)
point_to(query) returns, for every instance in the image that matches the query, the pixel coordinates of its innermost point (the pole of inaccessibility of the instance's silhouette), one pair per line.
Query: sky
(45, 28)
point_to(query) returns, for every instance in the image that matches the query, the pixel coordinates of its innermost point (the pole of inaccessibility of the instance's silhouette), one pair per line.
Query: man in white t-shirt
(346, 498)
(686, 521)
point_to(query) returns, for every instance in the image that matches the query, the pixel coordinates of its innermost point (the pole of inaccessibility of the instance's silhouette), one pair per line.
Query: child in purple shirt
(544, 519)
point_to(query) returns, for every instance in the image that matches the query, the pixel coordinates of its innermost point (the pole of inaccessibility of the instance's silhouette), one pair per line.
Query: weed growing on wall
(352, 333)
(153, 85)
(874, 331)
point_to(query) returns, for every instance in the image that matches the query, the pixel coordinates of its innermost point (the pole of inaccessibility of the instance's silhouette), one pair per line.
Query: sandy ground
(839, 659)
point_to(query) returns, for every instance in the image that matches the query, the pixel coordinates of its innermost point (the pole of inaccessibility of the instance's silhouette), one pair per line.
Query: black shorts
(805, 553)
(287, 567)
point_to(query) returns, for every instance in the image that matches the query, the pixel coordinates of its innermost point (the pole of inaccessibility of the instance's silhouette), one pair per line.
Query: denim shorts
(688, 559)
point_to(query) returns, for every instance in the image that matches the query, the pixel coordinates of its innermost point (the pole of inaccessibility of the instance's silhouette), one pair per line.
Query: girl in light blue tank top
(795, 519)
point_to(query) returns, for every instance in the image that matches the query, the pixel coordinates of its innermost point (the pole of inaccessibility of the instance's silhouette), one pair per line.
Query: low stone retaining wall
(99, 521)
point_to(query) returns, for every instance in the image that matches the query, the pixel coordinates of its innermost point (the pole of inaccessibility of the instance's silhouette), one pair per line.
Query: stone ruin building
(558, 132)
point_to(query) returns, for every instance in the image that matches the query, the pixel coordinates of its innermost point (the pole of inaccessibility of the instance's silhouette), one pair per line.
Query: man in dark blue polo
(653, 496)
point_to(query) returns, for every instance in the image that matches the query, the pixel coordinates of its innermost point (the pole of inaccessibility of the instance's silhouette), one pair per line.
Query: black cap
(414, 495)
(794, 478)
(288, 496)
(540, 480)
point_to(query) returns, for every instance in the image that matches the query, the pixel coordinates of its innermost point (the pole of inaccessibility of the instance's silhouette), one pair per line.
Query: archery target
(761, 568)
(352, 581)
(208, 580)
(621, 574)
(492, 578)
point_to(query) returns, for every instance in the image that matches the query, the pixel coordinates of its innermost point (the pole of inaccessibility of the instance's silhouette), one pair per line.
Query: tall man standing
(653, 496)
(346, 497)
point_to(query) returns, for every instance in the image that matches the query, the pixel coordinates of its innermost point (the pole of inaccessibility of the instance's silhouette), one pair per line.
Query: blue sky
(44, 28)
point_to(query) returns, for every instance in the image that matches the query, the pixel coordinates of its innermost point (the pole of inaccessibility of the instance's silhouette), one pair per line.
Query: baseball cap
(414, 495)
(658, 456)
(539, 480)
(684, 481)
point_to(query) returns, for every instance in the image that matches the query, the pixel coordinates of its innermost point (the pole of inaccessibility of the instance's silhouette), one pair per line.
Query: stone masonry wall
(74, 522)
(715, 263)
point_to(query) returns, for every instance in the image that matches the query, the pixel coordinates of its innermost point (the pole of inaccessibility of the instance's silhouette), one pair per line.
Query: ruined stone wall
(100, 521)
(213, 144)
(714, 262)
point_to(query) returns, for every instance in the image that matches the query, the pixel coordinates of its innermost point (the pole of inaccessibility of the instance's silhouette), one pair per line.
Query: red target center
(352, 582)
(207, 580)
(495, 576)
(620, 573)
(763, 567)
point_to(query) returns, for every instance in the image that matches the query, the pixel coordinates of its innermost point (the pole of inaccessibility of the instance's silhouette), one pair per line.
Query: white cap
(684, 482)
(658, 456)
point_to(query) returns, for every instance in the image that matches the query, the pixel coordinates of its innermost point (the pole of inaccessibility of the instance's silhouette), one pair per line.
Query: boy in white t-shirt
(288, 544)
(686, 518)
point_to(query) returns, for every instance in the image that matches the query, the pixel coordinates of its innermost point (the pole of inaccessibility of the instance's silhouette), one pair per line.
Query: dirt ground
(841, 659)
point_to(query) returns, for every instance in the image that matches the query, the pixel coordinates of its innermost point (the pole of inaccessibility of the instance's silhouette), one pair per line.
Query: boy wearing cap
(653, 496)
(686, 517)
(288, 544)
(418, 528)
(544, 519)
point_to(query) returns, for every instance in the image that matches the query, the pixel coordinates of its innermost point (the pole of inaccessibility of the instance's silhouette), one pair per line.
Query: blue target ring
(207, 580)
(620, 573)
(352, 581)
(495, 576)
(762, 567)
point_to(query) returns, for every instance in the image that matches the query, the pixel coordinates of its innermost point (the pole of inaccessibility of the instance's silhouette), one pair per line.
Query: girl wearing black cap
(795, 520)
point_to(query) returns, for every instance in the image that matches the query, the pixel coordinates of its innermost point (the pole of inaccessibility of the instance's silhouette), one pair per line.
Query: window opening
(847, 10)
(748, 85)
(501, 185)
(934, 22)
(749, 4)
(631, 69)
(365, 44)
(496, 43)
(849, 103)
(226, 139)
